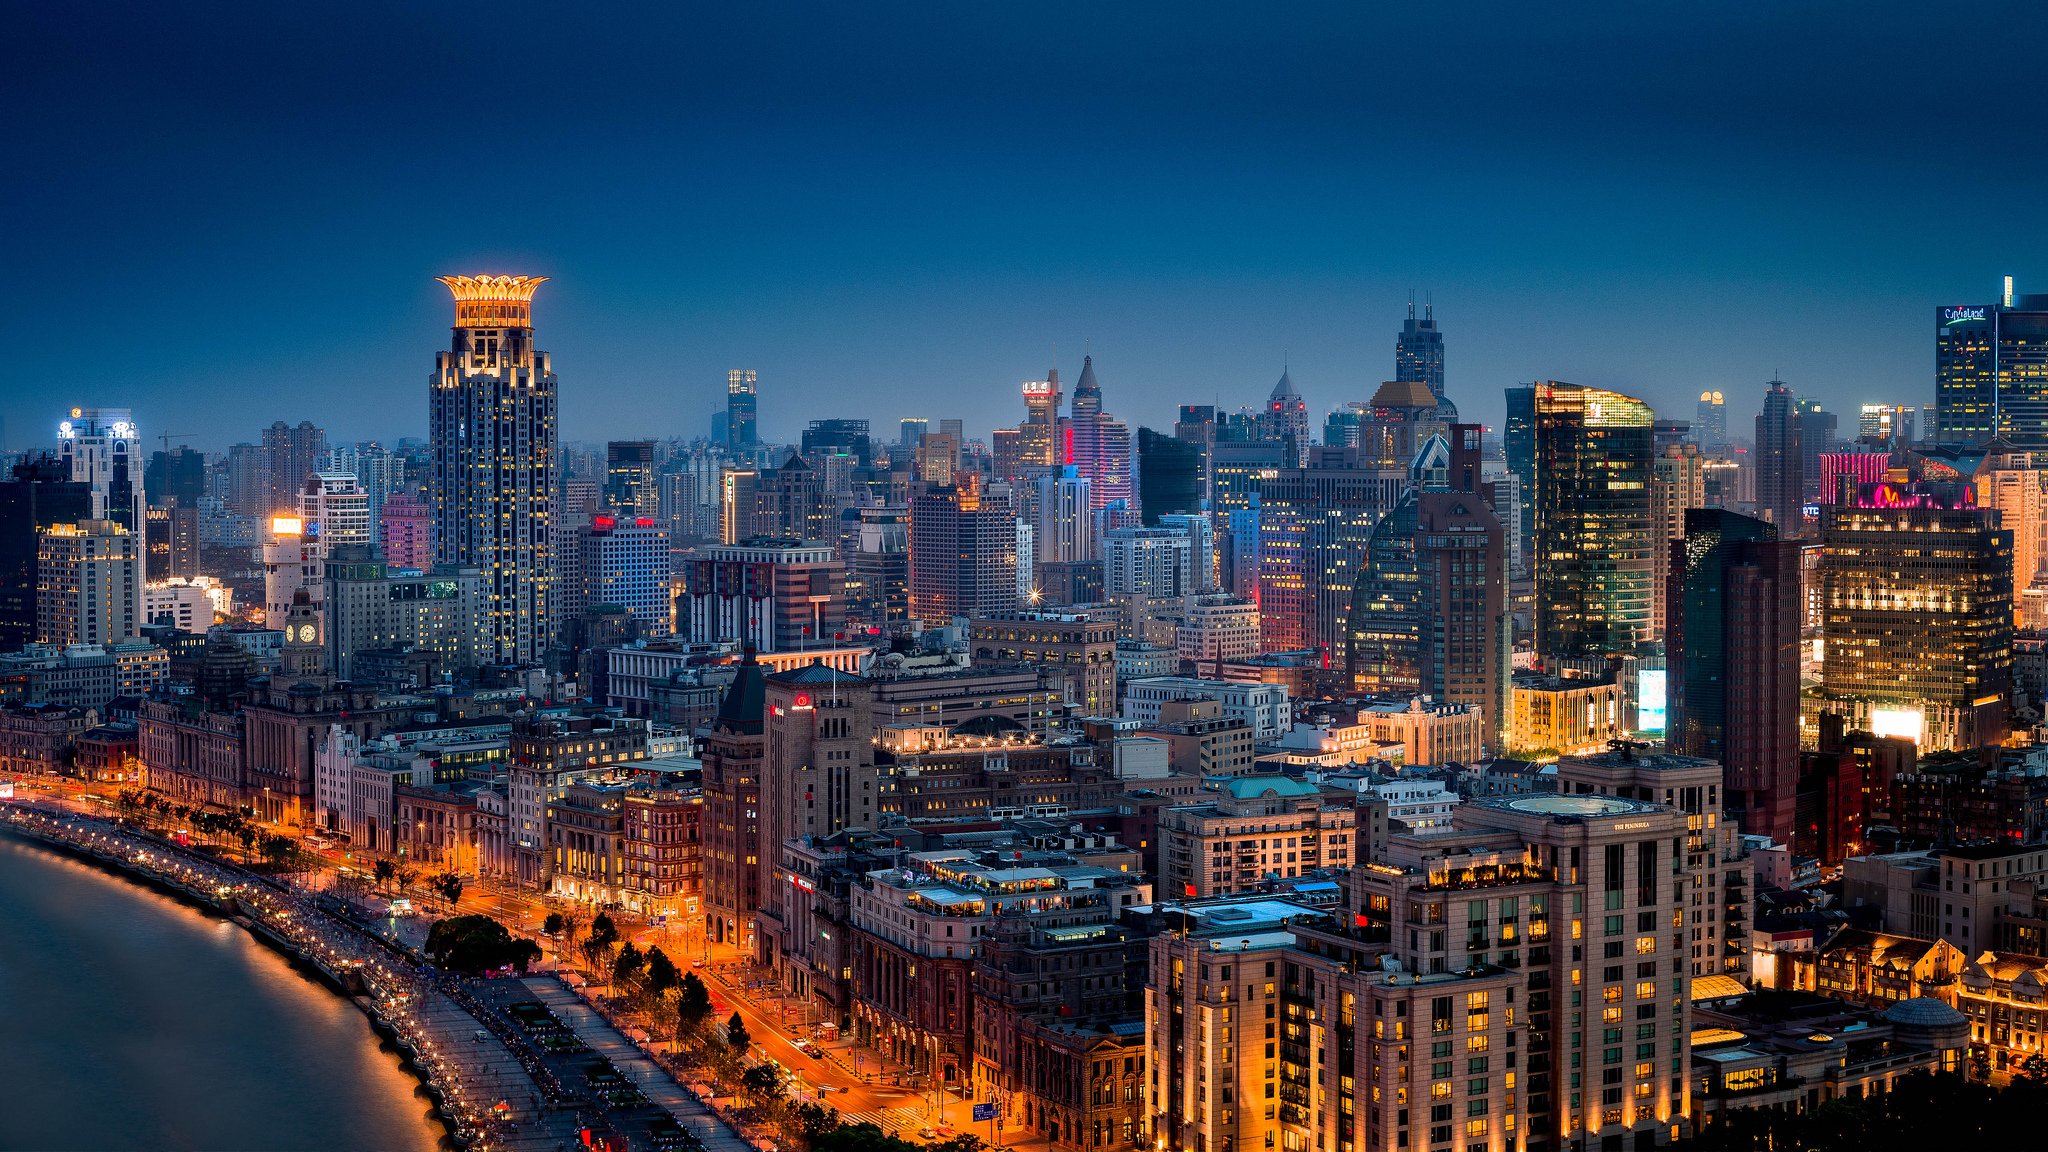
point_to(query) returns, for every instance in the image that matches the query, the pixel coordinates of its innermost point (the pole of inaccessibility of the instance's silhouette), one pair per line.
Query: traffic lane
(848, 1093)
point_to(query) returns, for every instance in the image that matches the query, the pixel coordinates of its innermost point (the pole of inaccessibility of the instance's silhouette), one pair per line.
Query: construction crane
(167, 437)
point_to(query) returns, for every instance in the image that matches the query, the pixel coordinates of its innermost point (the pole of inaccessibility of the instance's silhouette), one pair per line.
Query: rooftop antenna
(1411, 303)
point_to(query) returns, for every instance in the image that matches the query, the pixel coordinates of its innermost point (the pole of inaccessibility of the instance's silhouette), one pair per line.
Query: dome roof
(989, 724)
(1255, 787)
(1924, 1012)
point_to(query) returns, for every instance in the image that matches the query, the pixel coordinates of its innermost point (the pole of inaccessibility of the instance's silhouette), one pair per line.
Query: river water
(131, 1021)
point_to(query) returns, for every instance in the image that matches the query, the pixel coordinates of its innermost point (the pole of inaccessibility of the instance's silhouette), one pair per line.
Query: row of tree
(1920, 1112)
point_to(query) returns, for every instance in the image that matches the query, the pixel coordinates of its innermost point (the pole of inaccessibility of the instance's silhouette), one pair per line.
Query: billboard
(1651, 687)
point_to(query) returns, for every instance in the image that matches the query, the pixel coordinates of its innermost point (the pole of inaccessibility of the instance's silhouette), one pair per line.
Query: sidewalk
(636, 1065)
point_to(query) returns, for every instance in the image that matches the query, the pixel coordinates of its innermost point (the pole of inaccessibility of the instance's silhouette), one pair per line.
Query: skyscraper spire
(1087, 393)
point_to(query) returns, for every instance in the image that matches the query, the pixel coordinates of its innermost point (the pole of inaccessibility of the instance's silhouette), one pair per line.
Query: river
(131, 1021)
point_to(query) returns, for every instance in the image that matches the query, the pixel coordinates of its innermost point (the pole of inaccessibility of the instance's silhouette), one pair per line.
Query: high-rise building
(247, 481)
(734, 747)
(407, 532)
(1886, 427)
(1429, 611)
(1816, 439)
(41, 495)
(839, 436)
(1710, 423)
(910, 432)
(1169, 475)
(963, 554)
(1780, 463)
(1419, 351)
(1065, 532)
(493, 419)
(1677, 482)
(87, 575)
(773, 595)
(1732, 653)
(171, 540)
(1038, 438)
(629, 488)
(336, 509)
(740, 408)
(103, 449)
(1314, 526)
(370, 604)
(175, 474)
(625, 562)
(1991, 370)
(790, 503)
(1917, 589)
(1518, 445)
(1098, 444)
(291, 453)
(1285, 420)
(2014, 482)
(1397, 423)
(1595, 543)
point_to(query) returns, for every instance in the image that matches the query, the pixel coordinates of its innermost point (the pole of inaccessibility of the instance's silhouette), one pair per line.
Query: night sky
(224, 214)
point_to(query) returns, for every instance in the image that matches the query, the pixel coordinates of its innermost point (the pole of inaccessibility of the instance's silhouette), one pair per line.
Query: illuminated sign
(1744, 1078)
(287, 525)
(1903, 722)
(1038, 387)
(1631, 826)
(1960, 315)
(1651, 692)
(803, 700)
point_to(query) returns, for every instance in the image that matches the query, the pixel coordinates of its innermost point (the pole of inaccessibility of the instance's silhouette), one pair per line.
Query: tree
(449, 885)
(764, 1083)
(693, 1004)
(383, 870)
(281, 851)
(478, 944)
(662, 974)
(862, 1137)
(351, 886)
(603, 930)
(736, 1036)
(553, 925)
(809, 1122)
(627, 965)
(406, 876)
(964, 1142)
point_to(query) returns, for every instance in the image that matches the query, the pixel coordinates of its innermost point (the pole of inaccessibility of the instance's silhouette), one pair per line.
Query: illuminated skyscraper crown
(493, 301)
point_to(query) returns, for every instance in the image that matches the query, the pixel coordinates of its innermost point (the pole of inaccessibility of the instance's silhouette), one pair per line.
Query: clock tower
(305, 653)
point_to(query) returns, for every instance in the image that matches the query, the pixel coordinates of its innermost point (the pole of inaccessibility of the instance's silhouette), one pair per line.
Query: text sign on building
(1961, 315)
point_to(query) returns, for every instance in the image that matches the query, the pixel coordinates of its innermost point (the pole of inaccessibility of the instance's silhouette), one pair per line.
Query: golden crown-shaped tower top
(493, 301)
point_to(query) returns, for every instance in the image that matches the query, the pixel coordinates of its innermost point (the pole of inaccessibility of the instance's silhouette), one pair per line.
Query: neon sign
(1960, 315)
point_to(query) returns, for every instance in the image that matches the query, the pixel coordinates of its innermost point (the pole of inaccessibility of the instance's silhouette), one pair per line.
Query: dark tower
(1419, 351)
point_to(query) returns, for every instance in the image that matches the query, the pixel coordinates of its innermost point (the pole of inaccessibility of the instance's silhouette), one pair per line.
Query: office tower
(936, 457)
(629, 487)
(963, 554)
(1314, 526)
(336, 509)
(2014, 483)
(493, 422)
(1400, 419)
(1169, 475)
(1991, 371)
(1780, 463)
(1917, 585)
(1419, 351)
(1237, 469)
(1816, 439)
(175, 474)
(1518, 444)
(1285, 419)
(292, 453)
(1429, 610)
(87, 575)
(1710, 423)
(1098, 444)
(1732, 652)
(741, 398)
(818, 779)
(1038, 446)
(1341, 428)
(1150, 564)
(790, 503)
(878, 570)
(839, 437)
(1887, 426)
(248, 481)
(624, 563)
(910, 432)
(1595, 543)
(1200, 528)
(1065, 532)
(369, 604)
(1677, 482)
(407, 532)
(41, 495)
(103, 450)
(738, 505)
(773, 595)
(171, 540)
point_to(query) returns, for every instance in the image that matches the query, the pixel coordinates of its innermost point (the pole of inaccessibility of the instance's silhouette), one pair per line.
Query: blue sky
(226, 214)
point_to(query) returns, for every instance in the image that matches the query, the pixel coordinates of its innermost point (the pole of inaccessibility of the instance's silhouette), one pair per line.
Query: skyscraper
(41, 495)
(1816, 439)
(1710, 423)
(1314, 526)
(1065, 532)
(177, 474)
(1886, 426)
(1991, 370)
(1595, 544)
(1285, 419)
(1780, 463)
(493, 422)
(1169, 475)
(103, 449)
(740, 413)
(1733, 661)
(1677, 482)
(1419, 351)
(1917, 594)
(1518, 445)
(292, 453)
(88, 576)
(963, 553)
(1038, 436)
(1098, 444)
(629, 488)
(1429, 610)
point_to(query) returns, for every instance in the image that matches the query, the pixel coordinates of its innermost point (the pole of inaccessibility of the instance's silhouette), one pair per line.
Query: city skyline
(1194, 254)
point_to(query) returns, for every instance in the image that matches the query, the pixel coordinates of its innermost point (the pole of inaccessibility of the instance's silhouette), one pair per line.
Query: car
(927, 1134)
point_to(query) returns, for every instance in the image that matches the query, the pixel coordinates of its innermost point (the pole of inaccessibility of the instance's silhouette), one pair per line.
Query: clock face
(305, 633)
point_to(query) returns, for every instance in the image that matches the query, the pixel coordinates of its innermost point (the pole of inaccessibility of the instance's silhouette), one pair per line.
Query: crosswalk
(902, 1121)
